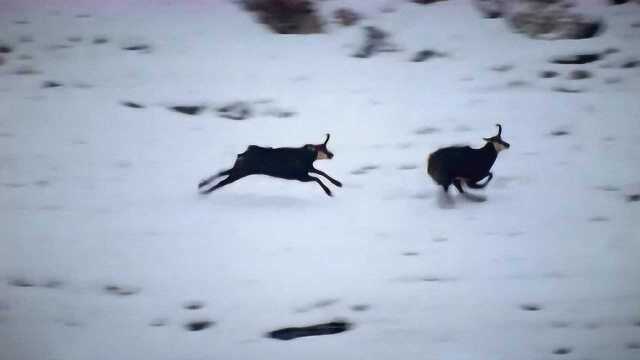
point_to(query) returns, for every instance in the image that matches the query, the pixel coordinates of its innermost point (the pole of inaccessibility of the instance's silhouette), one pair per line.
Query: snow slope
(94, 194)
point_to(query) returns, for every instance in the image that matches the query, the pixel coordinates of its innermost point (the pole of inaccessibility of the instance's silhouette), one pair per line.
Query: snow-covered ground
(99, 199)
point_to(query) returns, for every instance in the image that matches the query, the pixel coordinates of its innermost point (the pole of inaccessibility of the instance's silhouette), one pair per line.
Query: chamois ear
(327, 140)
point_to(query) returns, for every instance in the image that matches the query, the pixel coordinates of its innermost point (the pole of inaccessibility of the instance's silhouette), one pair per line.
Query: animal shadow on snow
(448, 201)
(261, 201)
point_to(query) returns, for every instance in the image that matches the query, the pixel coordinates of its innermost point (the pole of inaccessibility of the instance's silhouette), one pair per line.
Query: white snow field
(105, 241)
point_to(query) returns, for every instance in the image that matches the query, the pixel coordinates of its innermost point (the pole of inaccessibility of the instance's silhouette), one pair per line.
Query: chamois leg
(323, 186)
(233, 177)
(480, 186)
(458, 184)
(322, 173)
(208, 180)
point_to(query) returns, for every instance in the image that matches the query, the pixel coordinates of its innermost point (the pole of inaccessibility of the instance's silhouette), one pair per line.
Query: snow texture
(107, 251)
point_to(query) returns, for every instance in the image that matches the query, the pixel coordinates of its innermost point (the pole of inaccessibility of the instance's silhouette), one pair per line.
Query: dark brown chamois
(455, 164)
(285, 163)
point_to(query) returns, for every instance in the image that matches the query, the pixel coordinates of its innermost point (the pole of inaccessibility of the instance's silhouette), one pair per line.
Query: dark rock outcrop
(287, 16)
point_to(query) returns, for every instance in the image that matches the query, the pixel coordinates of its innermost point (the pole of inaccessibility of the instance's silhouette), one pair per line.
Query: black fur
(455, 164)
(285, 163)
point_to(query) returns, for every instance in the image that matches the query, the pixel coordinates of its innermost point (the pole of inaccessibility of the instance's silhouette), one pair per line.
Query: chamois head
(321, 150)
(497, 141)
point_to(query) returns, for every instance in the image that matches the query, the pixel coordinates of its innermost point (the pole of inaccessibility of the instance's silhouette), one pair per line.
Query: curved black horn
(327, 140)
(499, 129)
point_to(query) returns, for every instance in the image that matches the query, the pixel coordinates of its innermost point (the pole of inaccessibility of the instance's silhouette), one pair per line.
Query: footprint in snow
(121, 290)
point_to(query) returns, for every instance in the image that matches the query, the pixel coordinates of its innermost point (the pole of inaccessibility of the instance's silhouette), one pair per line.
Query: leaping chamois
(457, 164)
(285, 163)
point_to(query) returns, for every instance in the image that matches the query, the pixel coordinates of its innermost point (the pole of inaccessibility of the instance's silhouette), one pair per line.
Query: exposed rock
(121, 290)
(137, 47)
(47, 84)
(375, 41)
(618, 2)
(238, 110)
(565, 89)
(562, 351)
(547, 74)
(424, 55)
(425, 2)
(629, 64)
(198, 325)
(98, 40)
(576, 59)
(551, 20)
(286, 16)
(334, 327)
(490, 9)
(5, 49)
(346, 16)
(132, 104)
(188, 109)
(579, 75)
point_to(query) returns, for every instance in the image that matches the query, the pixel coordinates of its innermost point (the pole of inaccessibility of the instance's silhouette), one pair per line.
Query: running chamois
(458, 164)
(284, 163)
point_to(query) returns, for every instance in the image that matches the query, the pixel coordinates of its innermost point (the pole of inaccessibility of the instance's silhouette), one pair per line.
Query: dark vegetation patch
(137, 47)
(188, 109)
(364, 169)
(360, 307)
(633, 345)
(132, 104)
(576, 59)
(55, 47)
(427, 54)
(564, 350)
(346, 16)
(579, 75)
(435, 279)
(75, 39)
(425, 130)
(238, 110)
(99, 40)
(633, 197)
(121, 290)
(21, 282)
(48, 84)
(598, 219)
(286, 16)
(375, 41)
(5, 49)
(198, 325)
(407, 167)
(531, 307)
(568, 90)
(629, 64)
(193, 305)
(608, 188)
(53, 284)
(290, 333)
(559, 132)
(518, 84)
(502, 68)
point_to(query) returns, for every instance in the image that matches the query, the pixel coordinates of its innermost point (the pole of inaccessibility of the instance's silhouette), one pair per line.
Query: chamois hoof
(338, 183)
